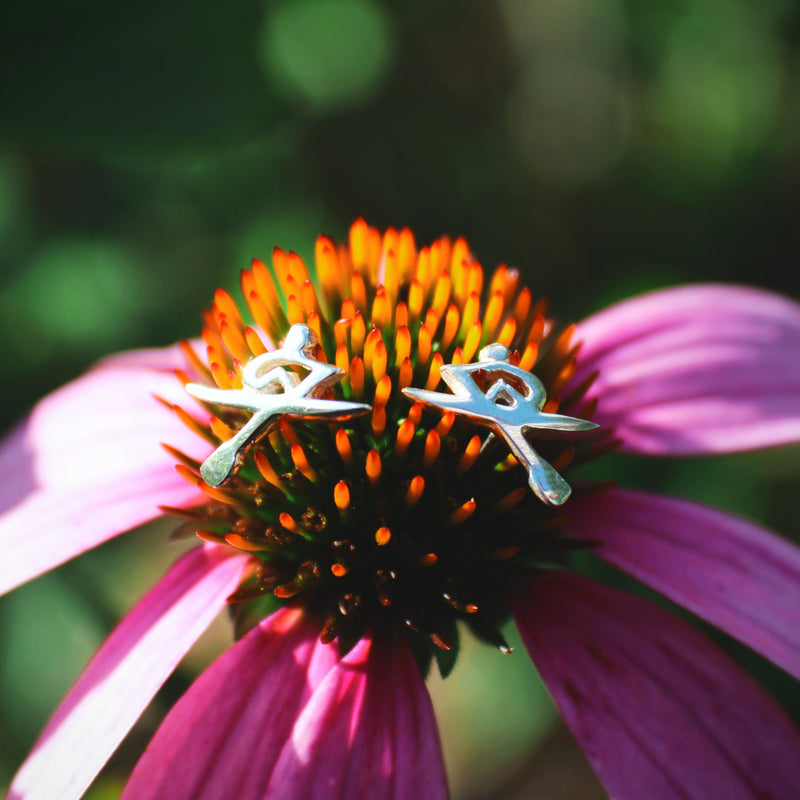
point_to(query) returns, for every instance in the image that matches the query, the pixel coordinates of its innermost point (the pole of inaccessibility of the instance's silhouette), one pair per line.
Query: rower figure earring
(270, 391)
(510, 406)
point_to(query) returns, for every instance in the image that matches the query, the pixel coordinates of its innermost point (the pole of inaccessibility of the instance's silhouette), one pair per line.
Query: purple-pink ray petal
(125, 674)
(87, 464)
(659, 711)
(368, 731)
(159, 359)
(279, 715)
(696, 369)
(225, 734)
(742, 578)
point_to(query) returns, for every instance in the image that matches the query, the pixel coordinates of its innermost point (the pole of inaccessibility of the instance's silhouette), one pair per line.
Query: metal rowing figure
(270, 391)
(510, 406)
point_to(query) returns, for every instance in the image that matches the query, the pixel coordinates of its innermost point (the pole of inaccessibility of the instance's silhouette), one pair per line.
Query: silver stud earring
(270, 391)
(510, 407)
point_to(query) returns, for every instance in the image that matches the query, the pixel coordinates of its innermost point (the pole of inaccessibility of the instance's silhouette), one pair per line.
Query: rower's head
(300, 338)
(494, 352)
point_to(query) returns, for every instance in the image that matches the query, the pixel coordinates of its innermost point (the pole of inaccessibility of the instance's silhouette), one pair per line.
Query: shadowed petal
(659, 711)
(87, 465)
(742, 578)
(125, 674)
(368, 731)
(696, 369)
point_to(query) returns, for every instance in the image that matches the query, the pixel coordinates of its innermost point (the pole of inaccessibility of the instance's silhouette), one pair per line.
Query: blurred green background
(149, 150)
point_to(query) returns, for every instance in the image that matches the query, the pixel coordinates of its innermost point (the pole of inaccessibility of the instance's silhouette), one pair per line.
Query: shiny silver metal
(270, 391)
(510, 407)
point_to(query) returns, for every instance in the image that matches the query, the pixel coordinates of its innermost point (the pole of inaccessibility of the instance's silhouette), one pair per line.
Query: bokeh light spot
(80, 292)
(327, 52)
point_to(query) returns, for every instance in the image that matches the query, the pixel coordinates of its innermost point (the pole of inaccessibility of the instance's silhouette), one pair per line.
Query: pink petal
(125, 675)
(742, 578)
(87, 464)
(368, 731)
(659, 711)
(696, 369)
(225, 734)
(160, 359)
(280, 716)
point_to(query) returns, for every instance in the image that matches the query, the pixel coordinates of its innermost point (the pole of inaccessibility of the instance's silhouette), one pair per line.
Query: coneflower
(348, 543)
